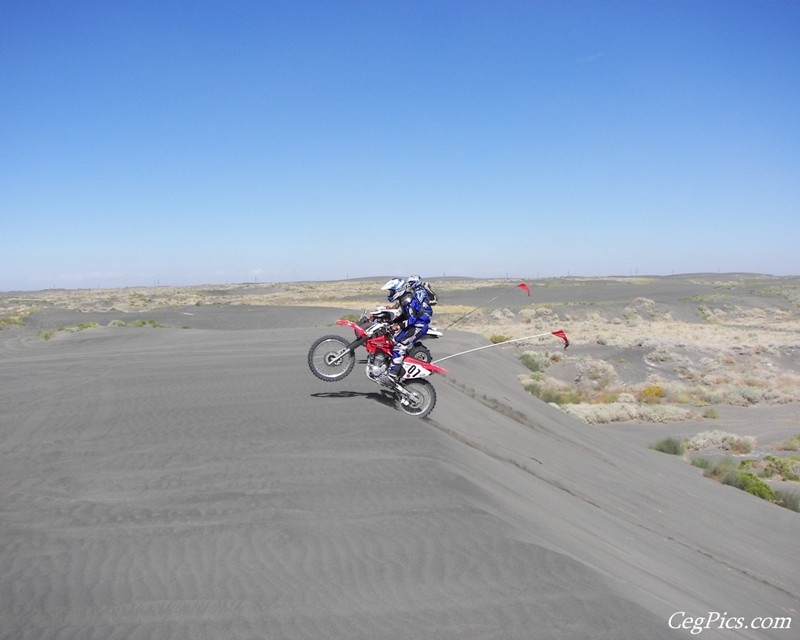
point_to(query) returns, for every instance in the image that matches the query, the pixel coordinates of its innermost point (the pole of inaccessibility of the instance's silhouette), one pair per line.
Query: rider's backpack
(432, 298)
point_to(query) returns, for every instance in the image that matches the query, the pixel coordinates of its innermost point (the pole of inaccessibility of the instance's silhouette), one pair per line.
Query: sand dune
(172, 483)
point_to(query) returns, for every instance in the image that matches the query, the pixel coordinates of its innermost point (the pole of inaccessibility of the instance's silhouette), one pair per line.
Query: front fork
(333, 358)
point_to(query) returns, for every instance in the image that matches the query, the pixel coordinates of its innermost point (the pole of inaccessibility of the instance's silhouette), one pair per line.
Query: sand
(169, 482)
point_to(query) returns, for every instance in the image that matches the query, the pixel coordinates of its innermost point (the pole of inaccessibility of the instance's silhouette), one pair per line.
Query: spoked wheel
(329, 358)
(421, 401)
(420, 352)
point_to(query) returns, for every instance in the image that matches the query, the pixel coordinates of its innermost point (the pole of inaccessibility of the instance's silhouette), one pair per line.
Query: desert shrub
(630, 315)
(792, 444)
(136, 323)
(728, 472)
(721, 440)
(788, 499)
(659, 355)
(550, 390)
(146, 323)
(599, 372)
(711, 414)
(712, 397)
(535, 361)
(742, 445)
(502, 314)
(606, 396)
(662, 414)
(725, 471)
(750, 482)
(672, 446)
(8, 321)
(749, 395)
(624, 411)
(532, 386)
(701, 463)
(497, 339)
(559, 396)
(786, 468)
(706, 314)
(652, 394)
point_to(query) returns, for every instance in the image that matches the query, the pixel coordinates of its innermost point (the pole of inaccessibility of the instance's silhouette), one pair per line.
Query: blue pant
(405, 339)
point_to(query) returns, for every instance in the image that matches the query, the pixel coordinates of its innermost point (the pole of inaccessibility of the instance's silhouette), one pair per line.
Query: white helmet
(396, 288)
(414, 281)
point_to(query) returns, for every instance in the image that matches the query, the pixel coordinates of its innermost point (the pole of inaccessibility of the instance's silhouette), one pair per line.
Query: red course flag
(560, 334)
(525, 287)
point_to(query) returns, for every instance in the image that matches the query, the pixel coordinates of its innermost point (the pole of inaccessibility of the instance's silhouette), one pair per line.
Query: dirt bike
(390, 314)
(332, 358)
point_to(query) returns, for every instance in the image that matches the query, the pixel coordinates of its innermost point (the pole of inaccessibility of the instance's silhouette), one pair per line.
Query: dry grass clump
(10, 321)
(792, 444)
(624, 411)
(47, 335)
(671, 446)
(136, 323)
(14, 312)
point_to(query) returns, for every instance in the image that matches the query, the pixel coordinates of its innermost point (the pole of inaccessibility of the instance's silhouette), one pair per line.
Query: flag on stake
(525, 287)
(560, 334)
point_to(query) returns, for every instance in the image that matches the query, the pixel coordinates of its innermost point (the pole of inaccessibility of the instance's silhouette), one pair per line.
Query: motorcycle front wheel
(422, 400)
(329, 359)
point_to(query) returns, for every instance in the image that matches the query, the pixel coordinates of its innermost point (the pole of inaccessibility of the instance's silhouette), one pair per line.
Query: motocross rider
(412, 299)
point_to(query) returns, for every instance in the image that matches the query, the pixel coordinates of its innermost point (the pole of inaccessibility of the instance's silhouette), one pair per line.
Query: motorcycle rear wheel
(323, 360)
(423, 398)
(420, 352)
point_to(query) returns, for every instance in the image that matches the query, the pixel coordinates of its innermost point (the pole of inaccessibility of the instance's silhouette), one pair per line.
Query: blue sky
(198, 142)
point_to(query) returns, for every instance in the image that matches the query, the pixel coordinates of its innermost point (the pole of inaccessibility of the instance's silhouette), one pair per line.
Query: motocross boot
(392, 374)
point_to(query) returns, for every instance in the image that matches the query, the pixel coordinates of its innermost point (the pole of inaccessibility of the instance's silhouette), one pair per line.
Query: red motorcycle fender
(425, 365)
(347, 323)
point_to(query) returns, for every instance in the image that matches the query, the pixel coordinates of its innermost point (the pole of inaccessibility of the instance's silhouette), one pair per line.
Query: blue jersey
(423, 300)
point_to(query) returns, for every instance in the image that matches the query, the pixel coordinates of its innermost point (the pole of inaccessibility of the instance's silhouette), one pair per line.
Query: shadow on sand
(384, 397)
